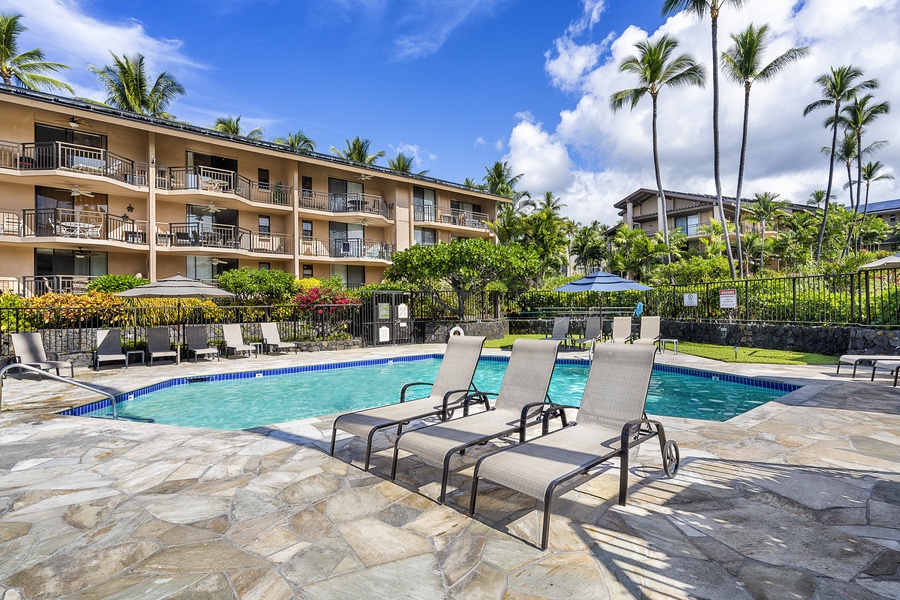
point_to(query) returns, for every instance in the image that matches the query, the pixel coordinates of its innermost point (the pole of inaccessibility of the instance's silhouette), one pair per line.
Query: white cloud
(570, 62)
(480, 141)
(424, 158)
(434, 21)
(499, 145)
(543, 160)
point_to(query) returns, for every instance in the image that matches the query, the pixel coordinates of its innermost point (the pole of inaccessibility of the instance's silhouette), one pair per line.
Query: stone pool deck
(799, 498)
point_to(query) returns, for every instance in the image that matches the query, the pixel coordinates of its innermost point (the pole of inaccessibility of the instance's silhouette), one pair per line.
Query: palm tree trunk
(740, 181)
(837, 113)
(762, 245)
(716, 173)
(659, 187)
(855, 206)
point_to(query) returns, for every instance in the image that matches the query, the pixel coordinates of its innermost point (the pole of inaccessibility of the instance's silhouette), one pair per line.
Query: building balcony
(36, 285)
(451, 216)
(351, 249)
(359, 204)
(33, 158)
(72, 224)
(220, 181)
(222, 237)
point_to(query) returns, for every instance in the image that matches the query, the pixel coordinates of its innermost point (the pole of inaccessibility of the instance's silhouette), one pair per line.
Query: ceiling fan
(218, 261)
(365, 177)
(80, 253)
(75, 123)
(77, 192)
(212, 208)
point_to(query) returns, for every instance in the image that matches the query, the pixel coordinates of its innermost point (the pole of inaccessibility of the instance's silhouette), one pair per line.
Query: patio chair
(560, 330)
(29, 349)
(198, 343)
(452, 382)
(519, 404)
(891, 365)
(271, 338)
(159, 345)
(610, 421)
(109, 348)
(234, 340)
(593, 330)
(858, 360)
(649, 332)
(621, 331)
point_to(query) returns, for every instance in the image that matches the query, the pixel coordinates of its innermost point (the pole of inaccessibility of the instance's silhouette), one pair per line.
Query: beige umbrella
(888, 262)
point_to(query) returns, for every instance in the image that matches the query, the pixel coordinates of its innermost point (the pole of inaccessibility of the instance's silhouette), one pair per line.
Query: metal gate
(388, 319)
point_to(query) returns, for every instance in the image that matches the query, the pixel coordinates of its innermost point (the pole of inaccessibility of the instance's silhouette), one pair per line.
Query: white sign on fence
(690, 299)
(384, 334)
(727, 298)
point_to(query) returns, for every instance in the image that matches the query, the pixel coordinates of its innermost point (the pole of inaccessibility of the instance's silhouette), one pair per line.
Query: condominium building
(87, 190)
(887, 211)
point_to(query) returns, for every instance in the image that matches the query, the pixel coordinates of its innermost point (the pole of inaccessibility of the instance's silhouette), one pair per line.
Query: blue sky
(463, 83)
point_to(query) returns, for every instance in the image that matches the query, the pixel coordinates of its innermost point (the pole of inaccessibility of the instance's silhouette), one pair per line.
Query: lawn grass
(722, 353)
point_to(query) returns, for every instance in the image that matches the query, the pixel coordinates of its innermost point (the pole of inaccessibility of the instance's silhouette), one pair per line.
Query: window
(196, 159)
(264, 224)
(263, 178)
(423, 204)
(264, 266)
(46, 133)
(425, 236)
(48, 261)
(58, 211)
(345, 239)
(688, 224)
(343, 194)
(352, 276)
(306, 230)
(307, 271)
(893, 218)
(202, 267)
(306, 188)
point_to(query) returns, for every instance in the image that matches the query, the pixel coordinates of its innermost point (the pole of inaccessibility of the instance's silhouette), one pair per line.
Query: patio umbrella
(888, 262)
(176, 287)
(601, 282)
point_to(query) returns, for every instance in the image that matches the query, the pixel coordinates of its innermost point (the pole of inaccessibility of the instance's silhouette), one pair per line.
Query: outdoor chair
(271, 339)
(892, 365)
(560, 330)
(234, 340)
(451, 384)
(198, 343)
(593, 330)
(610, 421)
(621, 331)
(109, 348)
(649, 332)
(159, 345)
(862, 360)
(29, 349)
(519, 404)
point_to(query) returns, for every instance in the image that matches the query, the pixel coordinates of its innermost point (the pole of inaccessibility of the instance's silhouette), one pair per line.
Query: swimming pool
(242, 400)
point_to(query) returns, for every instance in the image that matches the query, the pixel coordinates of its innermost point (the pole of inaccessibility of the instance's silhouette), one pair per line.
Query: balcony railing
(78, 224)
(344, 203)
(223, 182)
(36, 285)
(353, 248)
(450, 216)
(72, 157)
(214, 235)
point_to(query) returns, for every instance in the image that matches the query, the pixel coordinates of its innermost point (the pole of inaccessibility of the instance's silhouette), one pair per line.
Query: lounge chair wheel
(671, 459)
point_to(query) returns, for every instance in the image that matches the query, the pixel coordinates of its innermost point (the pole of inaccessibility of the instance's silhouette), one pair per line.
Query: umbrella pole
(180, 327)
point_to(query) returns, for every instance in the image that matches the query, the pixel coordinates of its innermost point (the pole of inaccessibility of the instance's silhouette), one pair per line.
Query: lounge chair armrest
(634, 428)
(527, 409)
(464, 399)
(555, 410)
(409, 385)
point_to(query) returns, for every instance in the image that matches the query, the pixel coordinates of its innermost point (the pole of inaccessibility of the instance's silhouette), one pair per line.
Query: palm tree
(766, 207)
(24, 70)
(742, 63)
(870, 174)
(128, 87)
(472, 184)
(856, 117)
(589, 245)
(655, 71)
(358, 151)
(232, 125)
(816, 198)
(403, 164)
(298, 142)
(838, 86)
(500, 180)
(699, 8)
(547, 202)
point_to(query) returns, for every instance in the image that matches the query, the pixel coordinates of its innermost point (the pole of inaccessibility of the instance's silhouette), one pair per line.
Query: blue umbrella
(601, 282)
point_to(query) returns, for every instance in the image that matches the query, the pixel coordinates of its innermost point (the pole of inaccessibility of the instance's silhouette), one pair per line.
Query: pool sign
(690, 299)
(727, 298)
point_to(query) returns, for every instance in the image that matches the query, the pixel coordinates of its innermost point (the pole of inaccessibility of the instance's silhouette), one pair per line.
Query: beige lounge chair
(198, 343)
(29, 349)
(159, 345)
(593, 330)
(611, 421)
(560, 330)
(621, 331)
(649, 331)
(109, 348)
(272, 339)
(858, 360)
(519, 404)
(453, 381)
(892, 365)
(234, 340)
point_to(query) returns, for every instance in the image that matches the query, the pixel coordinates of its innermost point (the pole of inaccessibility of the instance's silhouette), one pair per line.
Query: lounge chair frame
(29, 350)
(621, 330)
(195, 346)
(158, 337)
(113, 354)
(560, 330)
(593, 331)
(858, 360)
(272, 339)
(234, 340)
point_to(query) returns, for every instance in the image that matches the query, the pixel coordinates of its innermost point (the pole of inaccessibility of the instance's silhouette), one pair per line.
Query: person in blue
(639, 309)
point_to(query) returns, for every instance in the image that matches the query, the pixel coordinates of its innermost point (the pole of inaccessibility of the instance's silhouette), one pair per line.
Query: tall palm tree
(856, 117)
(816, 198)
(870, 174)
(25, 69)
(472, 184)
(403, 164)
(700, 8)
(742, 63)
(500, 180)
(232, 125)
(838, 86)
(357, 150)
(766, 207)
(548, 202)
(656, 69)
(128, 86)
(297, 141)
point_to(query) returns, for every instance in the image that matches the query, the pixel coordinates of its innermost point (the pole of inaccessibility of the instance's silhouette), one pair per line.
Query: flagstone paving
(799, 498)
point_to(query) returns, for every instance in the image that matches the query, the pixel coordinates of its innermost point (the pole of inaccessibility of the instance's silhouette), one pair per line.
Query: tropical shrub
(257, 286)
(113, 284)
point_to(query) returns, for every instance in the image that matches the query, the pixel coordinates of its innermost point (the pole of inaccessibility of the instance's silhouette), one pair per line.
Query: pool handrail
(84, 386)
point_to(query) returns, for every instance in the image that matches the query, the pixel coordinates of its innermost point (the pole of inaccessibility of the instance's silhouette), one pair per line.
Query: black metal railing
(222, 181)
(352, 248)
(36, 285)
(72, 157)
(78, 224)
(450, 216)
(344, 203)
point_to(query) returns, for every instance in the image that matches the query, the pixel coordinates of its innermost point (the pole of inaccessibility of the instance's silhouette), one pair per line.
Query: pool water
(252, 402)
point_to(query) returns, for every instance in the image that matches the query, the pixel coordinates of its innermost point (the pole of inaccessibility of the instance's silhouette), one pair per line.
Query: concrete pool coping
(799, 496)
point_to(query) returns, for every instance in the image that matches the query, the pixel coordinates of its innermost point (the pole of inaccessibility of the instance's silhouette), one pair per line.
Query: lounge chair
(159, 345)
(453, 381)
(892, 365)
(593, 330)
(649, 332)
(610, 421)
(519, 404)
(863, 360)
(271, 338)
(621, 331)
(109, 348)
(560, 330)
(198, 343)
(29, 349)
(234, 340)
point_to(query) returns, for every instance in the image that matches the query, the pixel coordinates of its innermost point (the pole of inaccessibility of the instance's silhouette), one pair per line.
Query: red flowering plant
(328, 311)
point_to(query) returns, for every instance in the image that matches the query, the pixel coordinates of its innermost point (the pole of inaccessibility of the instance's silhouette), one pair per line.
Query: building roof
(642, 195)
(886, 205)
(108, 111)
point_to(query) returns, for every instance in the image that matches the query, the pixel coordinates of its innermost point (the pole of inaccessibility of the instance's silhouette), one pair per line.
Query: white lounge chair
(234, 340)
